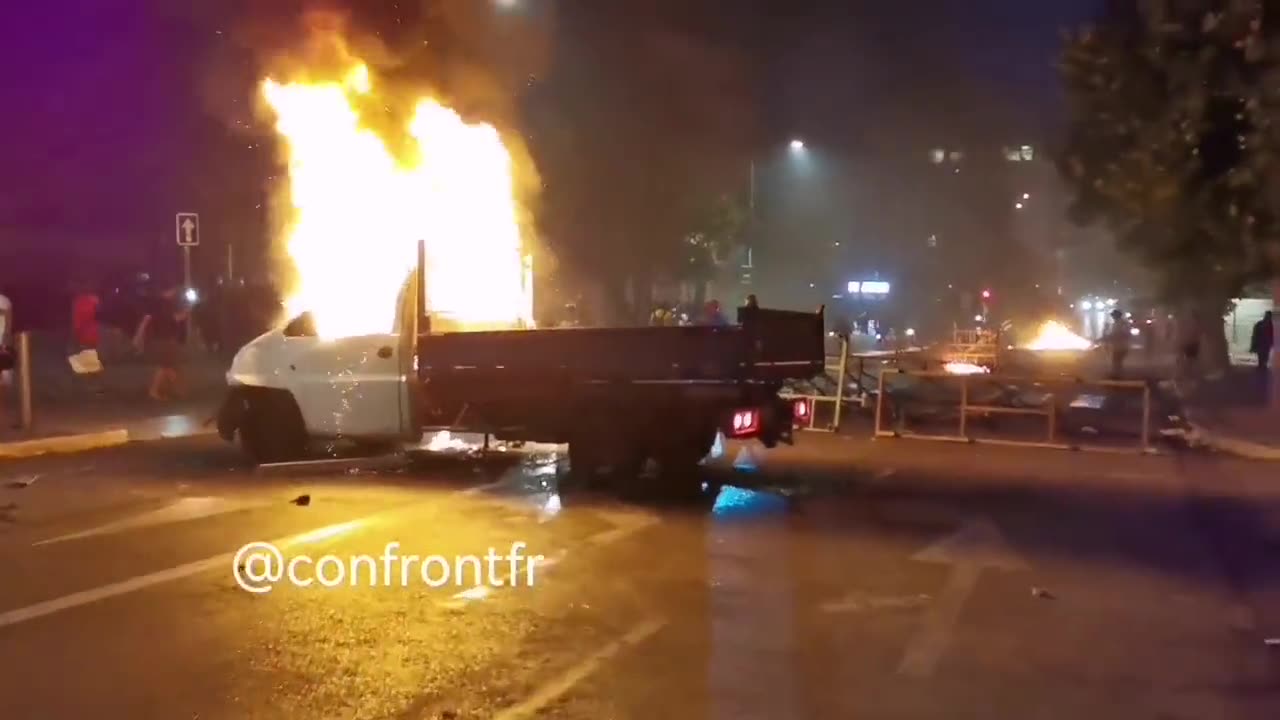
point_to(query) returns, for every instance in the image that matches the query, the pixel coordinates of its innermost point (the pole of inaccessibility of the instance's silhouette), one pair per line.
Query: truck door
(350, 387)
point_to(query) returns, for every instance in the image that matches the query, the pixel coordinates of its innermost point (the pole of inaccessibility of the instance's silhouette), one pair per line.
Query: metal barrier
(1048, 408)
(848, 379)
(812, 394)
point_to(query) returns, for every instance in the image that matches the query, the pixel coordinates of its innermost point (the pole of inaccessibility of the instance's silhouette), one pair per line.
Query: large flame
(359, 212)
(1053, 335)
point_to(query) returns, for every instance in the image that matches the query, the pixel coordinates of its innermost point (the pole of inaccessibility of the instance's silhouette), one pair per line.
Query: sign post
(187, 227)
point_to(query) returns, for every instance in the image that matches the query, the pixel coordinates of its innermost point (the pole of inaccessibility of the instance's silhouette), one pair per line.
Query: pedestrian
(1119, 340)
(160, 334)
(1189, 344)
(7, 360)
(658, 316)
(712, 315)
(85, 337)
(752, 302)
(1263, 340)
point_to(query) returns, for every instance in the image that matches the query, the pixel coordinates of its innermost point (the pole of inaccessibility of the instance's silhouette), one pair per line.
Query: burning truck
(413, 314)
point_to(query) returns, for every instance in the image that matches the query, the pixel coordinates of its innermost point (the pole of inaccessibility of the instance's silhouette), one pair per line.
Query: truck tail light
(801, 411)
(745, 422)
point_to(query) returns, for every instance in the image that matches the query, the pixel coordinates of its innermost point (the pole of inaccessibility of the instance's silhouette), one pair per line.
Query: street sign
(187, 226)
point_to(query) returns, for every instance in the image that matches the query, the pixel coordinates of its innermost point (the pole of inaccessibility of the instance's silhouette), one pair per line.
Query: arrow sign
(188, 229)
(976, 546)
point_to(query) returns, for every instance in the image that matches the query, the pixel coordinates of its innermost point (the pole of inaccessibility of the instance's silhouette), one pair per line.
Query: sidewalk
(103, 422)
(1237, 414)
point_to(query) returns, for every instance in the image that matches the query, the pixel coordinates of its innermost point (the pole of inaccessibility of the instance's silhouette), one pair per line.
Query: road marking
(183, 510)
(124, 587)
(859, 601)
(566, 681)
(976, 546)
(625, 524)
(66, 602)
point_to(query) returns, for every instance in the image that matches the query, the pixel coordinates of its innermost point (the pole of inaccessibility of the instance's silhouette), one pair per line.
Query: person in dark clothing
(752, 302)
(161, 334)
(1263, 340)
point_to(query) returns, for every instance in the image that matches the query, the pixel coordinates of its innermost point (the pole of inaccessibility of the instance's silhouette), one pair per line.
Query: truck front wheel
(272, 429)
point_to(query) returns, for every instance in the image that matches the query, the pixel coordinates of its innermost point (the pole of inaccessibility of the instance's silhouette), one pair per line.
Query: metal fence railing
(1071, 413)
(849, 380)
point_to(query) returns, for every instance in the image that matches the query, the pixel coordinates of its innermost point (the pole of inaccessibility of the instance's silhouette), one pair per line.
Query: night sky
(120, 113)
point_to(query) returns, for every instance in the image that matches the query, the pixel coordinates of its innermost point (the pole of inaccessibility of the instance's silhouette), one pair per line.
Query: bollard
(24, 380)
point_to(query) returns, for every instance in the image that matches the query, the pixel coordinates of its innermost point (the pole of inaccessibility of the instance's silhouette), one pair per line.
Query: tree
(1172, 141)
(715, 241)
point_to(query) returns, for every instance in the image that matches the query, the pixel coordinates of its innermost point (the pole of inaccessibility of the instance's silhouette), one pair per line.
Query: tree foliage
(1173, 139)
(716, 238)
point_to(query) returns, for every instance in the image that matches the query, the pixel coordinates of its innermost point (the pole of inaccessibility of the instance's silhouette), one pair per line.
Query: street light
(797, 144)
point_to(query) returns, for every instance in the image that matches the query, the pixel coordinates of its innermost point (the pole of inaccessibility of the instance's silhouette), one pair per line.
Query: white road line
(480, 592)
(182, 510)
(566, 681)
(625, 524)
(66, 602)
(934, 636)
(124, 587)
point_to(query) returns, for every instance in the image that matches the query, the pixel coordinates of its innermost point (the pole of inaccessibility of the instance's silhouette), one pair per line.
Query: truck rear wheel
(593, 464)
(678, 476)
(272, 429)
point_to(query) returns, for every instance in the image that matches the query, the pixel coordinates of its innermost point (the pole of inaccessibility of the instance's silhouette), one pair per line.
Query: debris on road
(301, 500)
(1042, 593)
(23, 483)
(1272, 642)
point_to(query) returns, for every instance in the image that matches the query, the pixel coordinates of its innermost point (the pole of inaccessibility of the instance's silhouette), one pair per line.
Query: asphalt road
(839, 579)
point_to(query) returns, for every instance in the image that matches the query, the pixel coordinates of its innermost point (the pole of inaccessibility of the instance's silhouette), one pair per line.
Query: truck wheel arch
(271, 427)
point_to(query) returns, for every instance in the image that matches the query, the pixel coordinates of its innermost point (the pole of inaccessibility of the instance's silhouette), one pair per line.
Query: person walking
(85, 337)
(712, 315)
(1119, 340)
(1189, 345)
(1263, 340)
(7, 357)
(160, 334)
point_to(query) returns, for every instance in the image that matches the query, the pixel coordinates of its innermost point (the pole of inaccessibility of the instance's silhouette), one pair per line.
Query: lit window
(937, 155)
(1027, 153)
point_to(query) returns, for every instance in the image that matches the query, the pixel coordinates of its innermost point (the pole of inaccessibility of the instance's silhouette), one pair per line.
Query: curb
(1239, 448)
(1200, 436)
(63, 444)
(82, 442)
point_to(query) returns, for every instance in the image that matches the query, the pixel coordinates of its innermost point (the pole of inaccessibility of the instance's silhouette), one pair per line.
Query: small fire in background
(444, 441)
(964, 368)
(1053, 335)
